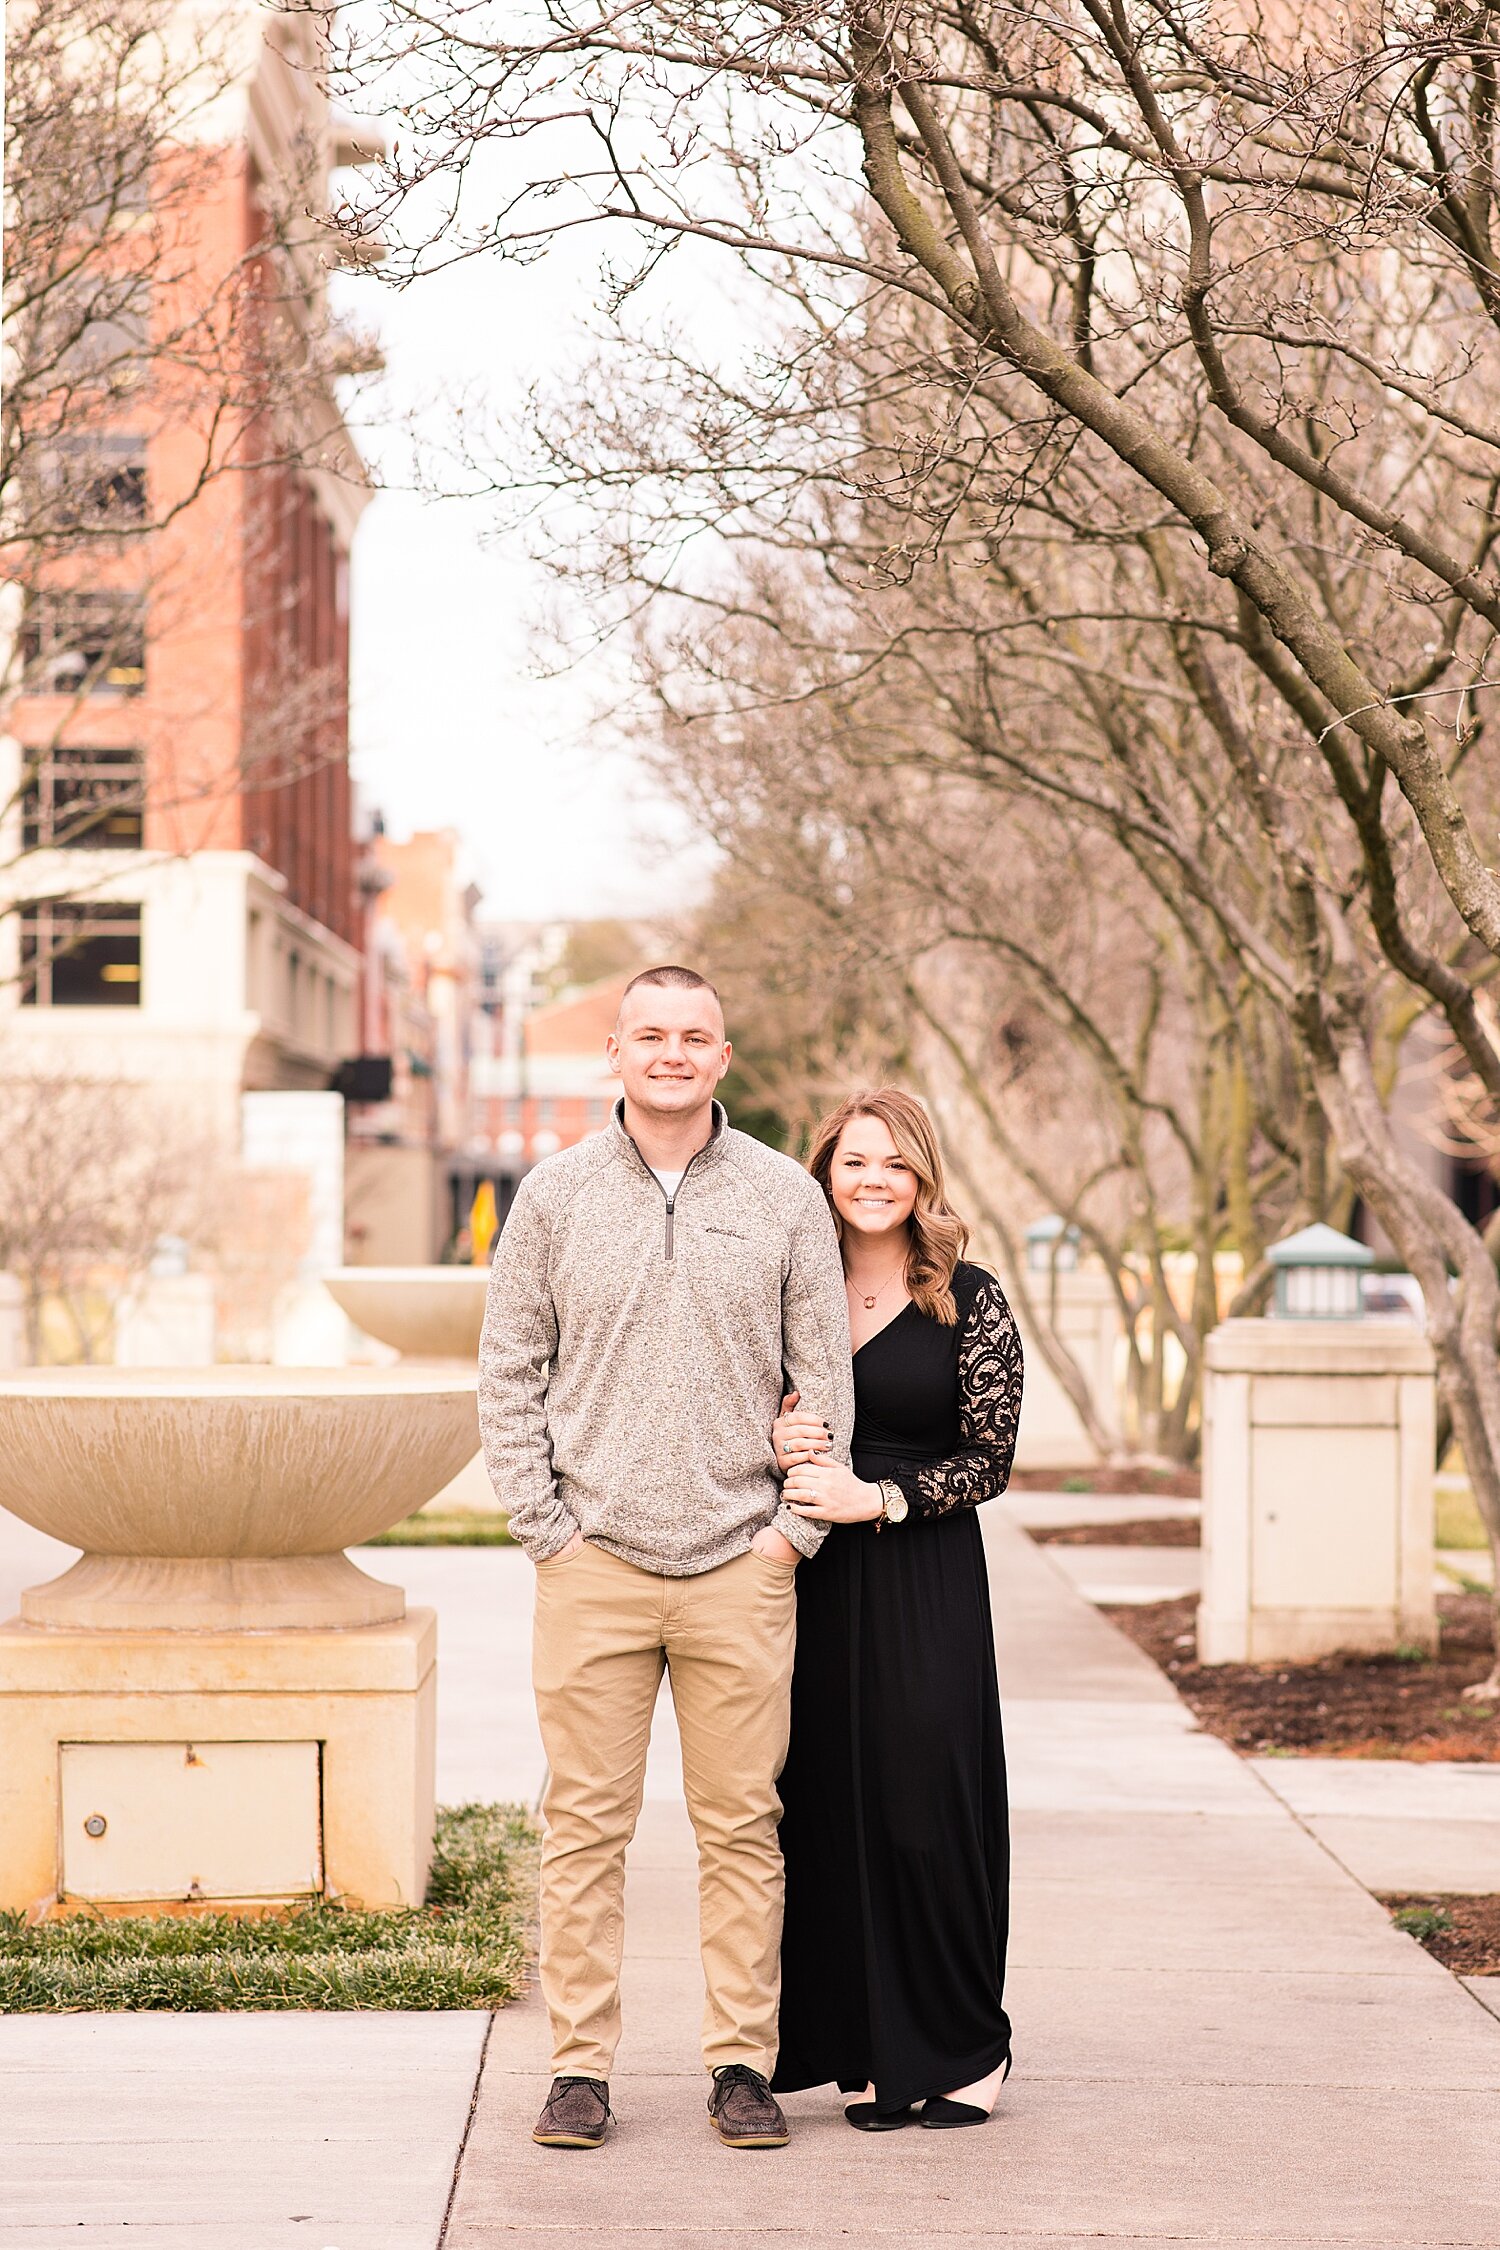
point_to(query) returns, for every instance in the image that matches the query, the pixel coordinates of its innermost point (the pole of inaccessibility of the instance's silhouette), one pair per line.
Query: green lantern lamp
(1051, 1245)
(1317, 1275)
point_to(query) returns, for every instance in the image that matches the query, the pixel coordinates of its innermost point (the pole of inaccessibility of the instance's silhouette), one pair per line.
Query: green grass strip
(465, 1948)
(456, 1527)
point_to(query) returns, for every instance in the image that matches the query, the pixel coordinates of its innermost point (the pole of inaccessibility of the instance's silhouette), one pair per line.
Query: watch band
(896, 1508)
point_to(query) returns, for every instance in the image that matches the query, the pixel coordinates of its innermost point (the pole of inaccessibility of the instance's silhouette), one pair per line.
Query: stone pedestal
(1317, 1491)
(1088, 1322)
(340, 1801)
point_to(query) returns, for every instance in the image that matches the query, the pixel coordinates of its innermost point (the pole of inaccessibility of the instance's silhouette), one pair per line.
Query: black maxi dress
(894, 1829)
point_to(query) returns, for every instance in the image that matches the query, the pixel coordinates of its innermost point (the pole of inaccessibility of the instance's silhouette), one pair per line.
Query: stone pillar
(1088, 1322)
(304, 1132)
(168, 1321)
(1317, 1490)
(12, 1322)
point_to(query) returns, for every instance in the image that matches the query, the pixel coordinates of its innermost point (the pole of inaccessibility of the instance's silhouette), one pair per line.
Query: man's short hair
(679, 979)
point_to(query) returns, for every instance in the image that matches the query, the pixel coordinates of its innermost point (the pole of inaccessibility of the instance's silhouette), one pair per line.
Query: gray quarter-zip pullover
(636, 1346)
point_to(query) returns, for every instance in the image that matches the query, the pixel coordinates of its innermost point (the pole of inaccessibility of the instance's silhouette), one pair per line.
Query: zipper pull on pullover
(671, 1198)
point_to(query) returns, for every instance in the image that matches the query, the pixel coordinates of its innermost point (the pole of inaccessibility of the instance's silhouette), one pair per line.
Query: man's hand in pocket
(775, 1549)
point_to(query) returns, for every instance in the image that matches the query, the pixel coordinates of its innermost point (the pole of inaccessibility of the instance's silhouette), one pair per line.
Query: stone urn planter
(214, 1704)
(221, 1498)
(430, 1314)
(423, 1312)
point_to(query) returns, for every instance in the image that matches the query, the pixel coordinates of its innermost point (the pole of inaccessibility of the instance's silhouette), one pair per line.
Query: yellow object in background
(484, 1222)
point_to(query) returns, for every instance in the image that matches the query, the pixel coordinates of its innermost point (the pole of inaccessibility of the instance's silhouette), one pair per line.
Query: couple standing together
(655, 1292)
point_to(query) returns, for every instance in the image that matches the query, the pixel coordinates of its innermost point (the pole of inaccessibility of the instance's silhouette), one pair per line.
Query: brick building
(177, 859)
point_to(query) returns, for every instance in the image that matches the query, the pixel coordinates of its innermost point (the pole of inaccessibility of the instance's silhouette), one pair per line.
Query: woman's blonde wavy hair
(939, 1236)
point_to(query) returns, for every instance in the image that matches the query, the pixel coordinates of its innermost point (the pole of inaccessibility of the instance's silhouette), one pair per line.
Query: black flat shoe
(940, 2115)
(867, 2117)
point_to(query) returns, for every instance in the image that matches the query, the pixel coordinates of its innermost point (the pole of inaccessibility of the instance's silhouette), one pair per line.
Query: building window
(95, 482)
(83, 799)
(99, 321)
(115, 492)
(76, 643)
(545, 1110)
(77, 955)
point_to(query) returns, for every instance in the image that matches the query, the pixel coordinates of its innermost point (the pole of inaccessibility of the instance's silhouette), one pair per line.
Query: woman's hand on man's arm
(797, 1437)
(829, 1492)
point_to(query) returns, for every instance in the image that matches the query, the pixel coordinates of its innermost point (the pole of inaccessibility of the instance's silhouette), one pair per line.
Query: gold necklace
(869, 1303)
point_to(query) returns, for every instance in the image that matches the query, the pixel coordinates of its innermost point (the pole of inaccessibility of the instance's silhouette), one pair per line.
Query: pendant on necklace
(869, 1302)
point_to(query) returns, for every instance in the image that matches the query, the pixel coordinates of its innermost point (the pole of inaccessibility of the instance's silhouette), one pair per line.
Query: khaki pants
(604, 1633)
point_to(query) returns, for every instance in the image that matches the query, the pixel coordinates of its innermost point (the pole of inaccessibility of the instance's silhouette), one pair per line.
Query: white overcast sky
(451, 723)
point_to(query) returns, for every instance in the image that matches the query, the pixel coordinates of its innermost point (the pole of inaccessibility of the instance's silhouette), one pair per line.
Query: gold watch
(896, 1509)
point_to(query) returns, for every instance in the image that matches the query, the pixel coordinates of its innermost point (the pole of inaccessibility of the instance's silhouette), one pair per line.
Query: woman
(894, 1832)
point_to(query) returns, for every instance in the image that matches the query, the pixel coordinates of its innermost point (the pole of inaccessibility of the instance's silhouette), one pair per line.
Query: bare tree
(896, 915)
(1203, 301)
(92, 1176)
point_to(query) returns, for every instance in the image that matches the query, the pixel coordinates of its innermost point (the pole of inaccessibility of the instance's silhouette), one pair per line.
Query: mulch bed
(1461, 1932)
(1161, 1531)
(1342, 1707)
(1131, 1483)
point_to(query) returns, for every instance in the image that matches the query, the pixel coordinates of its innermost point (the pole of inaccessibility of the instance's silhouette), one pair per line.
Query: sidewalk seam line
(463, 2143)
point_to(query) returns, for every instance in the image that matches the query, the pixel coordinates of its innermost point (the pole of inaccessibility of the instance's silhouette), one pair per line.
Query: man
(654, 1292)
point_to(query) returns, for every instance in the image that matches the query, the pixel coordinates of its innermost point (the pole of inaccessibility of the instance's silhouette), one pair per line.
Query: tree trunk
(1431, 1235)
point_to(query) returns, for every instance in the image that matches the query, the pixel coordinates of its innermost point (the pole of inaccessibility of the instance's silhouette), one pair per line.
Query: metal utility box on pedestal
(190, 1820)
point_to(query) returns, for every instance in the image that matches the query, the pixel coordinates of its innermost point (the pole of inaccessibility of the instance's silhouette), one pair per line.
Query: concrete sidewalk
(1397, 1826)
(1220, 2039)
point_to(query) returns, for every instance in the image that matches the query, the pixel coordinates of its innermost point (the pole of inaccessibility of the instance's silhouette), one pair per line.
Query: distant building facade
(539, 1079)
(408, 1153)
(177, 861)
(550, 1085)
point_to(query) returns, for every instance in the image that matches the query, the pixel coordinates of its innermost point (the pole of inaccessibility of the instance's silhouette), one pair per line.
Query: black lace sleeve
(990, 1372)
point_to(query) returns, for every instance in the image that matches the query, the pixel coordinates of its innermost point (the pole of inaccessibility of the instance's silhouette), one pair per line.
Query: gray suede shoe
(577, 2114)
